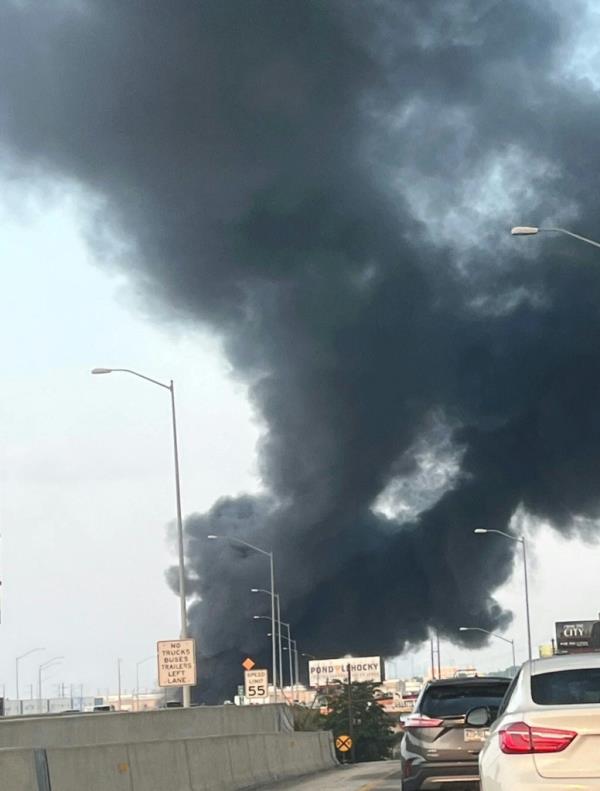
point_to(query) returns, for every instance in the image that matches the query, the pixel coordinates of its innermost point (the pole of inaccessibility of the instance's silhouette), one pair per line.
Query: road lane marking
(376, 783)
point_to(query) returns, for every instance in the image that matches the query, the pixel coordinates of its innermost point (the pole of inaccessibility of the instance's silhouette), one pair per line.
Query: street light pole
(185, 691)
(279, 642)
(531, 230)
(524, 545)
(272, 592)
(18, 659)
(492, 634)
(281, 623)
(119, 682)
(519, 540)
(137, 678)
(54, 661)
(291, 646)
(293, 679)
(296, 668)
(289, 649)
(294, 648)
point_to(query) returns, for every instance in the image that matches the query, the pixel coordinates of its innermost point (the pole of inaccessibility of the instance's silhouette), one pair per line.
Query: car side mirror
(479, 717)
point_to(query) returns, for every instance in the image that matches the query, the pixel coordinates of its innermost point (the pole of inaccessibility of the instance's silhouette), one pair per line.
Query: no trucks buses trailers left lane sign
(176, 663)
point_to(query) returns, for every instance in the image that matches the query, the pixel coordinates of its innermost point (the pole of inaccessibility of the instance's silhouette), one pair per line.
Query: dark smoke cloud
(328, 186)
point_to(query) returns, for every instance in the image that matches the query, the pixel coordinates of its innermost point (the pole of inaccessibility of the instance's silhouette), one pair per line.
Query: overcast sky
(87, 476)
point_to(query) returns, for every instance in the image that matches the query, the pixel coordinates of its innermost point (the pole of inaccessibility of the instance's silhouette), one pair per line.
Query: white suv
(547, 732)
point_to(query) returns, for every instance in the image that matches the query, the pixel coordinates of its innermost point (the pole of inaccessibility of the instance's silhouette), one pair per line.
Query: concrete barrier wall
(129, 727)
(210, 764)
(226, 763)
(18, 770)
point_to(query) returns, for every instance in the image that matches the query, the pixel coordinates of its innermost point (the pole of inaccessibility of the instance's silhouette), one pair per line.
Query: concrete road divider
(21, 770)
(220, 763)
(127, 727)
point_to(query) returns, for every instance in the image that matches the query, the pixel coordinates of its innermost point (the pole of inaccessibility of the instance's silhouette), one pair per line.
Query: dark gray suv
(438, 751)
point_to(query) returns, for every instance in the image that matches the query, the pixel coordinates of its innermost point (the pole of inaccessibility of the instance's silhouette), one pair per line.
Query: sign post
(176, 663)
(256, 684)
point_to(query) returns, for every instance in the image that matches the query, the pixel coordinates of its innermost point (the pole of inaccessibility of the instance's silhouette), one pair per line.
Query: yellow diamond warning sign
(176, 663)
(248, 663)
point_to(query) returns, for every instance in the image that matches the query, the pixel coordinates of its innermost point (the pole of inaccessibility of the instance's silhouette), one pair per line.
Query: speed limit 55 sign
(256, 684)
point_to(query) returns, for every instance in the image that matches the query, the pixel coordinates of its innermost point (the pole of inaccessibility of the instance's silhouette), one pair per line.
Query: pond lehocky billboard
(330, 671)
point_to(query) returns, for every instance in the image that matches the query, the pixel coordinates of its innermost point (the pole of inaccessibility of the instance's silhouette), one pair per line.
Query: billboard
(322, 672)
(576, 636)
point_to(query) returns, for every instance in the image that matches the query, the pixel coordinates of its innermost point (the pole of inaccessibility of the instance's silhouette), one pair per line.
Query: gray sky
(87, 474)
(87, 479)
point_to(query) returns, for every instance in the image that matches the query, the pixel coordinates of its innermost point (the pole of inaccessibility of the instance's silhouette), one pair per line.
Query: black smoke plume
(328, 186)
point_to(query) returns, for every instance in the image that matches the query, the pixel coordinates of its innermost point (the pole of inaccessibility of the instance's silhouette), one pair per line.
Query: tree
(307, 719)
(358, 715)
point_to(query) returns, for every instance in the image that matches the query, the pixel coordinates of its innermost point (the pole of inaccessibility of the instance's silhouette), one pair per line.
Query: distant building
(467, 671)
(146, 701)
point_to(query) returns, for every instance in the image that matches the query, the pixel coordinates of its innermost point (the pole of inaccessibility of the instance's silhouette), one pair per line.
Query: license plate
(476, 734)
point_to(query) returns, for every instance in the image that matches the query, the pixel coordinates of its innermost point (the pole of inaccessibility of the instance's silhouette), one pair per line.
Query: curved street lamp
(293, 648)
(236, 540)
(519, 540)
(279, 622)
(50, 663)
(492, 634)
(186, 691)
(137, 678)
(531, 230)
(18, 659)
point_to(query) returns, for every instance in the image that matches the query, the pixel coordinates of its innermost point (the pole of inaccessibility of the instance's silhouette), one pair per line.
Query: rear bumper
(439, 776)
(534, 782)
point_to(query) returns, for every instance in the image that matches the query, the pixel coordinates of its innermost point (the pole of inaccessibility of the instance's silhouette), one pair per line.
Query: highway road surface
(376, 776)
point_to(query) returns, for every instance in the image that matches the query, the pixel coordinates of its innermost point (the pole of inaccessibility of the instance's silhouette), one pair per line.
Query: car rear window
(457, 699)
(566, 687)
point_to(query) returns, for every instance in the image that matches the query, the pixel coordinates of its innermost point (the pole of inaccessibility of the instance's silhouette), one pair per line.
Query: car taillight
(422, 722)
(522, 738)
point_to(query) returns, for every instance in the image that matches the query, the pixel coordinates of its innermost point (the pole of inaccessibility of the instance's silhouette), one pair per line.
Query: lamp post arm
(142, 376)
(17, 660)
(251, 546)
(485, 631)
(519, 539)
(574, 235)
(499, 636)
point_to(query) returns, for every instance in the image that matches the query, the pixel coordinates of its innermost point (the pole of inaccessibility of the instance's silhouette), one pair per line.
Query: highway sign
(256, 684)
(248, 663)
(343, 743)
(176, 663)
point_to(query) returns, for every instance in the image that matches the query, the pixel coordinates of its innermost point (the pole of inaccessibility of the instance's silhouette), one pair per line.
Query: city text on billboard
(574, 636)
(176, 663)
(330, 671)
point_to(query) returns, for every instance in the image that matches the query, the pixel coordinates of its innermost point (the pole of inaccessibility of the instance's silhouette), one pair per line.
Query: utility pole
(119, 680)
(350, 713)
